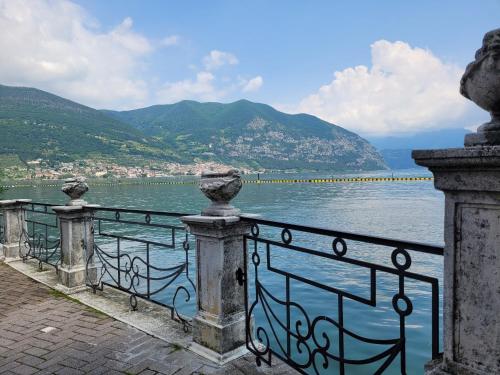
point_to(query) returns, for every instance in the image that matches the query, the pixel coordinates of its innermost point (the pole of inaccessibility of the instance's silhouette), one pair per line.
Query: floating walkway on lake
(336, 180)
(254, 181)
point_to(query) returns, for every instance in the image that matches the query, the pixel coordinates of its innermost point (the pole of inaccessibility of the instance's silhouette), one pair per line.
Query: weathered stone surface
(470, 179)
(14, 223)
(481, 84)
(220, 188)
(75, 188)
(219, 324)
(76, 237)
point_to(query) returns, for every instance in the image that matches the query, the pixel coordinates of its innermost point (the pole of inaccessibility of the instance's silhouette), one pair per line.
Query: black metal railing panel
(146, 254)
(40, 238)
(326, 301)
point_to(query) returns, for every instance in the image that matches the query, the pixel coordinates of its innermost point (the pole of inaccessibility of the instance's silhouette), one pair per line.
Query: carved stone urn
(75, 188)
(481, 84)
(220, 188)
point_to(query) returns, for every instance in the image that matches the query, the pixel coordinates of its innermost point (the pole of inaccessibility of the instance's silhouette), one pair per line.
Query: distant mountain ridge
(396, 151)
(254, 134)
(36, 124)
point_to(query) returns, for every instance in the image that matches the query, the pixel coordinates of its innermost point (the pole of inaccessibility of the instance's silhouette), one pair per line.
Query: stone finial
(481, 84)
(220, 188)
(75, 188)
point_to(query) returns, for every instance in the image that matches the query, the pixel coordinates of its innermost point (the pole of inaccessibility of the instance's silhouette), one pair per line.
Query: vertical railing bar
(341, 332)
(118, 261)
(148, 276)
(402, 331)
(288, 337)
(245, 293)
(373, 286)
(435, 319)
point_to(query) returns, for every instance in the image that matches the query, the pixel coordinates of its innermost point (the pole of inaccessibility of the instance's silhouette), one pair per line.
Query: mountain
(253, 134)
(35, 124)
(396, 151)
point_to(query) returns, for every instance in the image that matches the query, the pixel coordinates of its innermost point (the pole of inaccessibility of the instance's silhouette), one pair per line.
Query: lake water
(412, 211)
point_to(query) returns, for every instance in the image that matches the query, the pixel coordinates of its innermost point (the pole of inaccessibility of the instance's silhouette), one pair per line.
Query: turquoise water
(412, 211)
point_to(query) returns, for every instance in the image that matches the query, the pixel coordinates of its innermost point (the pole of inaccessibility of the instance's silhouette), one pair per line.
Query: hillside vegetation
(38, 125)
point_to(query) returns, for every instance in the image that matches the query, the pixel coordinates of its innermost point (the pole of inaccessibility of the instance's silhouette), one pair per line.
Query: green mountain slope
(253, 134)
(36, 124)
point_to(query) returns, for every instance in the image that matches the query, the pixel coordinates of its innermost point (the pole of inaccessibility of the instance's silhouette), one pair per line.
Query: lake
(412, 211)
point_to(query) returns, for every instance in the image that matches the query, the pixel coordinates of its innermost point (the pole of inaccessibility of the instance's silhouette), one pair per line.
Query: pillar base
(442, 367)
(218, 358)
(10, 252)
(74, 278)
(220, 337)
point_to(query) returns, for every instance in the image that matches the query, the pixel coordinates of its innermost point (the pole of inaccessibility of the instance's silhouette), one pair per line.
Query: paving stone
(83, 342)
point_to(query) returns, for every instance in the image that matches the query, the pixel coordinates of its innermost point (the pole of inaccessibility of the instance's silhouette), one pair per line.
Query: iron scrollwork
(311, 342)
(132, 269)
(40, 238)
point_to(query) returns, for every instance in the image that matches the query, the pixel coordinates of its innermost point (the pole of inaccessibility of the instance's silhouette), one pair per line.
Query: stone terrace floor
(82, 340)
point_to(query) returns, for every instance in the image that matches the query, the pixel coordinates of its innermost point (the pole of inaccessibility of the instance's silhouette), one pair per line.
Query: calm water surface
(411, 211)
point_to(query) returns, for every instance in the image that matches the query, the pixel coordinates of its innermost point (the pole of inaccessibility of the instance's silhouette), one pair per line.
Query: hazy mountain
(36, 124)
(396, 151)
(253, 134)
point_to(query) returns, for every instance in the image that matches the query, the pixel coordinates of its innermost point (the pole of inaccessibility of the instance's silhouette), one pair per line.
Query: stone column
(219, 324)
(77, 237)
(14, 223)
(470, 180)
(77, 240)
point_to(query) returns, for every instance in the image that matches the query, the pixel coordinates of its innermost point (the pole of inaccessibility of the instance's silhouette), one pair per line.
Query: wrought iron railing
(136, 251)
(40, 238)
(325, 301)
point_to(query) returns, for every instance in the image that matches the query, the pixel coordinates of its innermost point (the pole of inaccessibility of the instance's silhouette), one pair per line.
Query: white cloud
(56, 46)
(215, 59)
(202, 88)
(171, 40)
(253, 84)
(406, 89)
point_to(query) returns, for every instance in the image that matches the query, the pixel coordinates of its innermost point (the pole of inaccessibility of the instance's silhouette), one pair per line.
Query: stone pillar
(470, 180)
(14, 223)
(77, 241)
(77, 237)
(219, 324)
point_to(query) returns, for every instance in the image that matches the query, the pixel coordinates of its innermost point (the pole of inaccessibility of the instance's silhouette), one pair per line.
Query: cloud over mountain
(405, 89)
(56, 45)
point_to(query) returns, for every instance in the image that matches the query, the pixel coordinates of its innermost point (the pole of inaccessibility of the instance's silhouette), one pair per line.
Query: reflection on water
(412, 211)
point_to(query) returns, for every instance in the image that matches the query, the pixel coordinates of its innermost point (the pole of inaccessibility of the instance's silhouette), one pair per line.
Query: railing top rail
(125, 210)
(137, 211)
(408, 245)
(42, 204)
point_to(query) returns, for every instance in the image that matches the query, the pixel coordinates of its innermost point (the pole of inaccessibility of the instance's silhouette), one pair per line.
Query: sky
(374, 67)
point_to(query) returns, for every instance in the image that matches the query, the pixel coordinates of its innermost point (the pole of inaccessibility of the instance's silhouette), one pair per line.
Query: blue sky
(375, 67)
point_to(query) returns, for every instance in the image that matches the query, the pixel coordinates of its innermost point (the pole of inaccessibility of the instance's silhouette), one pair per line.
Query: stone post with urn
(219, 325)
(77, 237)
(470, 180)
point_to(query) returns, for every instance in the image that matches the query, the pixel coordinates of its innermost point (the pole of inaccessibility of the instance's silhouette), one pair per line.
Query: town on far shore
(40, 169)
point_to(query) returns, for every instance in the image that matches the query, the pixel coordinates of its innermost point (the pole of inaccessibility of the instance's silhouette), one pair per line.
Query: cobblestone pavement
(45, 332)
